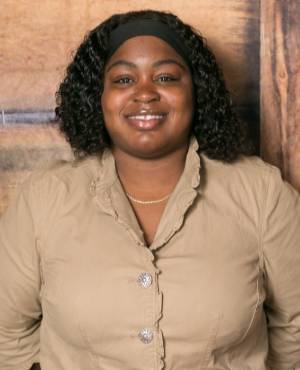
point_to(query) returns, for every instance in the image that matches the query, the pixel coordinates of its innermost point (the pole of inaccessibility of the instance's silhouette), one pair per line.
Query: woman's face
(147, 101)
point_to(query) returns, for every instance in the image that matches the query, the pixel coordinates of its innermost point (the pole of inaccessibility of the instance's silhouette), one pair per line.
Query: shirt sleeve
(20, 309)
(281, 249)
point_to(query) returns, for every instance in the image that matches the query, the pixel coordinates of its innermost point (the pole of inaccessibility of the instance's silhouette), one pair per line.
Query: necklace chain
(148, 201)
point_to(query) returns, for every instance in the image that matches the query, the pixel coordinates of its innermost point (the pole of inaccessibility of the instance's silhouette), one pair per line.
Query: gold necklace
(148, 201)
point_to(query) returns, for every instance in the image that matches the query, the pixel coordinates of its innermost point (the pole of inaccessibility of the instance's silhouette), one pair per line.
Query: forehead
(146, 47)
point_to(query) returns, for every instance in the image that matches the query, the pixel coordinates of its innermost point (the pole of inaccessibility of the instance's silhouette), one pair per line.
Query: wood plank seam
(19, 116)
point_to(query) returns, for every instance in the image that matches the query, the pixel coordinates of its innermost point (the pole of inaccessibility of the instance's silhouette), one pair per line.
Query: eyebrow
(168, 61)
(155, 65)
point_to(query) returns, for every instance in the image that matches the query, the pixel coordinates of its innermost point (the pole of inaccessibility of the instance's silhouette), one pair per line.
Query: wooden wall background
(280, 86)
(257, 45)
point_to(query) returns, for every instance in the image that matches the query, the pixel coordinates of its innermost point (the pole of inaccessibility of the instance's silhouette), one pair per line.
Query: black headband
(146, 27)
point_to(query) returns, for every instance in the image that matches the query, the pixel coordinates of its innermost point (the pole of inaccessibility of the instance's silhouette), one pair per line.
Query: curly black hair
(219, 133)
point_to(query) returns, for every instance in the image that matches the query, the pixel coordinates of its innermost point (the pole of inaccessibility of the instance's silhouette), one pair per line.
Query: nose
(146, 92)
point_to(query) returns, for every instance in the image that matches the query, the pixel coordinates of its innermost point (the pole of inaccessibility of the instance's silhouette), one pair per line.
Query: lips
(146, 120)
(146, 117)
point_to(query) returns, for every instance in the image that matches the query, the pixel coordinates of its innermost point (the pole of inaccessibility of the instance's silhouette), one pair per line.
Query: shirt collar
(110, 197)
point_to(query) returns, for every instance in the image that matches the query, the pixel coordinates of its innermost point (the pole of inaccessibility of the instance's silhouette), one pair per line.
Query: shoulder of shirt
(68, 174)
(251, 168)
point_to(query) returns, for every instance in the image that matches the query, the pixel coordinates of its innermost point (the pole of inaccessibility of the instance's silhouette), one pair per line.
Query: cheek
(184, 105)
(106, 104)
(112, 103)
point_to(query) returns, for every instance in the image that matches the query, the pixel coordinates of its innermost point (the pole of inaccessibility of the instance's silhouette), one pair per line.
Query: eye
(125, 80)
(166, 78)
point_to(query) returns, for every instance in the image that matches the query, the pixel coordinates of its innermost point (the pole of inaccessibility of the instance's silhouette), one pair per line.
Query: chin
(149, 149)
(148, 153)
(149, 145)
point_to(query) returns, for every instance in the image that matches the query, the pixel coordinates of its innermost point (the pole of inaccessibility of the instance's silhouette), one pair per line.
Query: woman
(163, 246)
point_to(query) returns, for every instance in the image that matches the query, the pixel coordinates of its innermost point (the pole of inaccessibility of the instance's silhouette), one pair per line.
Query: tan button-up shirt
(219, 287)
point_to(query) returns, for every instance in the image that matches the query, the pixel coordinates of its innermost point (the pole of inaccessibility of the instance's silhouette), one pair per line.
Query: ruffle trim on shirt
(104, 190)
(153, 314)
(102, 198)
(182, 198)
(153, 311)
(160, 349)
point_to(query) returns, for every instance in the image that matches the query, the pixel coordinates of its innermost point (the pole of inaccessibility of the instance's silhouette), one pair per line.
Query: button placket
(150, 333)
(145, 281)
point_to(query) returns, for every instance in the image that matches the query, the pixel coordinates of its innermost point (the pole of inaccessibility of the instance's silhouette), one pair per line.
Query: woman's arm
(20, 309)
(281, 249)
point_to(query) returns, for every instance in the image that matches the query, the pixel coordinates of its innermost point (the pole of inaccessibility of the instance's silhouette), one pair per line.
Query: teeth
(146, 117)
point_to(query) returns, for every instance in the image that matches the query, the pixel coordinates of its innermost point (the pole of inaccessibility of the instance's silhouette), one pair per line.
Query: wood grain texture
(280, 86)
(38, 39)
(25, 148)
(35, 45)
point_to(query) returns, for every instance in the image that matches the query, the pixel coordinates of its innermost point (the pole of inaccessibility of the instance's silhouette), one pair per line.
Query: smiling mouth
(146, 121)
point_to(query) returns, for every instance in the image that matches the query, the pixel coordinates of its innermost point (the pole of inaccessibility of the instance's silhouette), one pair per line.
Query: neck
(150, 178)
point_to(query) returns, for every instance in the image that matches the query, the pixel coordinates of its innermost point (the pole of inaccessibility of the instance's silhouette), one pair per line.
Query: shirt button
(146, 335)
(145, 279)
